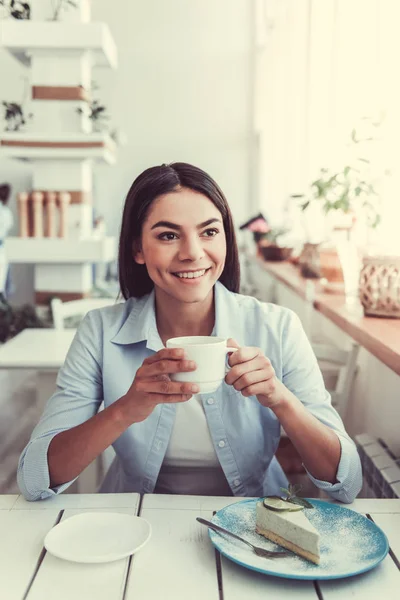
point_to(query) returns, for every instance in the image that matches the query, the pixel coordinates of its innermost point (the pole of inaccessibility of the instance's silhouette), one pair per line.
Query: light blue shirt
(111, 344)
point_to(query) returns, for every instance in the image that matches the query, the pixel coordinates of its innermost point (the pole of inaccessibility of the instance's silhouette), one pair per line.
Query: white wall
(182, 92)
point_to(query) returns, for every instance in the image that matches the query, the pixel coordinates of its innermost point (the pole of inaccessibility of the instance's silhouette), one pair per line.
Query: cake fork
(256, 549)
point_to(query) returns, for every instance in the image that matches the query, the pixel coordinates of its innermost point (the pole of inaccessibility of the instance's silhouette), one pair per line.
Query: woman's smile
(191, 277)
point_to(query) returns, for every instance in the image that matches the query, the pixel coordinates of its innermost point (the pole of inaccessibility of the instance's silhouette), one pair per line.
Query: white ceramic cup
(209, 354)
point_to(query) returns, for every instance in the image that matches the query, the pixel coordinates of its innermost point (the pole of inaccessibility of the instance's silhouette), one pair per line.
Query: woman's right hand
(152, 384)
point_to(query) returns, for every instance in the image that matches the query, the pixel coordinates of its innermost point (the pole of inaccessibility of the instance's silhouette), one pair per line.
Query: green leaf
(376, 221)
(305, 205)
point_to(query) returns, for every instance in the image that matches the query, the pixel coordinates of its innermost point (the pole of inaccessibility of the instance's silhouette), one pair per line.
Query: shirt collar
(141, 326)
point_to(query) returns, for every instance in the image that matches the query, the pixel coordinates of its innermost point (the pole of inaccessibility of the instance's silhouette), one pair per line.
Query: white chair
(62, 310)
(338, 366)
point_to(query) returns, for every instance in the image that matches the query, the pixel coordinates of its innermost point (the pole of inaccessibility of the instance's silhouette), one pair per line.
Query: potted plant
(96, 113)
(15, 319)
(14, 116)
(349, 197)
(16, 9)
(350, 191)
(272, 245)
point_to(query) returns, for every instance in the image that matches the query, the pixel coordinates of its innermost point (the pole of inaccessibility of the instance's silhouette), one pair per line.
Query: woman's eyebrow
(170, 225)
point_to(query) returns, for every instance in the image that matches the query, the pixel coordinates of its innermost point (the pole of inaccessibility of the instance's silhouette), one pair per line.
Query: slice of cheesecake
(290, 529)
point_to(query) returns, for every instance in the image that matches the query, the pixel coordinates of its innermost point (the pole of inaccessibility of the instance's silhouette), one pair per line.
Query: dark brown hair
(134, 279)
(4, 193)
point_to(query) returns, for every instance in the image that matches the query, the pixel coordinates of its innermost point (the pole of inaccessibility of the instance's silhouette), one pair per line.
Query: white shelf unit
(59, 143)
(23, 37)
(26, 145)
(60, 251)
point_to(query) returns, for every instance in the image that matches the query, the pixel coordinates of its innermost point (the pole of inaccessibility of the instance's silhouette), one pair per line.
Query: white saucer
(96, 537)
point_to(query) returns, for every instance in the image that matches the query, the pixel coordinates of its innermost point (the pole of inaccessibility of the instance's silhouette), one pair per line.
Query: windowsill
(379, 335)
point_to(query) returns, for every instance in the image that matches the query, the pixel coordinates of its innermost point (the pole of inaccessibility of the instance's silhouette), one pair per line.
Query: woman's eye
(168, 236)
(211, 232)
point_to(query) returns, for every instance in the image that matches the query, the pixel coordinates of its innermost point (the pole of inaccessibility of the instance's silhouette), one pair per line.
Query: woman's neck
(176, 319)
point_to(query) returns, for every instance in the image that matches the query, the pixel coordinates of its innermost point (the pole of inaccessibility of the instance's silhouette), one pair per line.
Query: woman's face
(183, 245)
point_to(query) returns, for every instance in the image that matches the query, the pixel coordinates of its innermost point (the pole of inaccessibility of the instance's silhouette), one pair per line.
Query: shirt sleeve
(78, 396)
(302, 376)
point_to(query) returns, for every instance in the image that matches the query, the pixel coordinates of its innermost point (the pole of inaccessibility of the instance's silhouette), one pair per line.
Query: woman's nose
(191, 249)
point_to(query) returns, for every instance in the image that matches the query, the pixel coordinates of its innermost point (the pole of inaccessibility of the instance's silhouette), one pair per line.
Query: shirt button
(221, 444)
(210, 401)
(236, 482)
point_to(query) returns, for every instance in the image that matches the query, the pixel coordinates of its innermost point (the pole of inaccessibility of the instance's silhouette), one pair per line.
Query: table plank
(7, 501)
(178, 562)
(377, 583)
(80, 501)
(21, 544)
(175, 502)
(105, 581)
(239, 583)
(391, 526)
(374, 505)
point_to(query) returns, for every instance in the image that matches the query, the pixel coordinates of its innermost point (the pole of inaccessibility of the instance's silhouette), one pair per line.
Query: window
(322, 66)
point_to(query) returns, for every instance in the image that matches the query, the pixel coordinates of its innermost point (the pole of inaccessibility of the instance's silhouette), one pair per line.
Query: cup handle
(229, 349)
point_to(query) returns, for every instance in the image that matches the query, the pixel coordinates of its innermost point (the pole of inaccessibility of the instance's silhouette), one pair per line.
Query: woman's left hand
(253, 375)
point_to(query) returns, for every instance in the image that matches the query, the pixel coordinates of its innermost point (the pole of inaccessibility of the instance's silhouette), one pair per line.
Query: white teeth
(191, 275)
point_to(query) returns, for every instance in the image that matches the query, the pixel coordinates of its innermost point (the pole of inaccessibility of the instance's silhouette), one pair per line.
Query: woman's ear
(138, 253)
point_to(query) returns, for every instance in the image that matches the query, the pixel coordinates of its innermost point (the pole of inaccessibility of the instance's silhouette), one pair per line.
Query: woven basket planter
(379, 289)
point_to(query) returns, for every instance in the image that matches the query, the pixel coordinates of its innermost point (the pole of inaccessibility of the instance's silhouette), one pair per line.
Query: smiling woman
(179, 275)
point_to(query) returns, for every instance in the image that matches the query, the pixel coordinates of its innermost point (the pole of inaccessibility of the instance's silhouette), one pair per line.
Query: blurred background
(263, 94)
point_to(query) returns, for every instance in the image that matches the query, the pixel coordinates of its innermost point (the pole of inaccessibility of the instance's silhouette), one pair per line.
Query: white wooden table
(177, 563)
(40, 349)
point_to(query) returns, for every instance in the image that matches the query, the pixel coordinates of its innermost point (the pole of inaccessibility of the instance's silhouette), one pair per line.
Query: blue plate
(350, 543)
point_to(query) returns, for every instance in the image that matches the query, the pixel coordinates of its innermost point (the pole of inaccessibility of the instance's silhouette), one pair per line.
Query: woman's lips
(192, 280)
